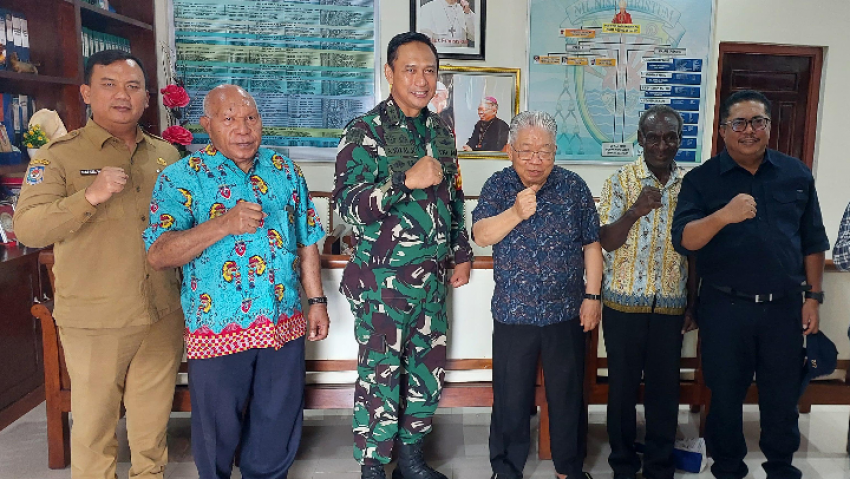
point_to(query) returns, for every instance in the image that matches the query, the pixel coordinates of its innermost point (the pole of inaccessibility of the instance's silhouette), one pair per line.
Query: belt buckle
(763, 298)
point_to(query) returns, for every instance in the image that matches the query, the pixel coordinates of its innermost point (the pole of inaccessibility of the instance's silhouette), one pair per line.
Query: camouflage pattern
(394, 227)
(401, 331)
(396, 279)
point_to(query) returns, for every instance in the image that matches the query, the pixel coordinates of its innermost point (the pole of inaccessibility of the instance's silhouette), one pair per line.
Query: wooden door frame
(815, 53)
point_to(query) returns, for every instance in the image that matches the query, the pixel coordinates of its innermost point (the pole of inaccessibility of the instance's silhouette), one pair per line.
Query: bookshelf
(55, 38)
(55, 31)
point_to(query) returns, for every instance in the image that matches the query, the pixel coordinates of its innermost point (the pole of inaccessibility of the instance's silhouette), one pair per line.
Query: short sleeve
(589, 215)
(171, 206)
(612, 203)
(489, 203)
(308, 225)
(689, 208)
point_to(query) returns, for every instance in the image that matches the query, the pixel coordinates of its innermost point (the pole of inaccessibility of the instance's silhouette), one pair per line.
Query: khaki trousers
(136, 365)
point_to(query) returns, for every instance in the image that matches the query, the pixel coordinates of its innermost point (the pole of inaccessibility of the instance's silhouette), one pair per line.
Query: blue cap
(821, 358)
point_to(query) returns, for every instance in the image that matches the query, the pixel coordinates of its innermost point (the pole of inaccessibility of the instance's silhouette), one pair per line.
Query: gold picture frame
(461, 91)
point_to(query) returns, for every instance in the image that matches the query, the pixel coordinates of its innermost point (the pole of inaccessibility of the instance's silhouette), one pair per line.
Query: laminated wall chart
(597, 64)
(310, 64)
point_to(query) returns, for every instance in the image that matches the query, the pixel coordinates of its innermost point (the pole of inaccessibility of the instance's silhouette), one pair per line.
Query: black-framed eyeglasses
(738, 125)
(527, 155)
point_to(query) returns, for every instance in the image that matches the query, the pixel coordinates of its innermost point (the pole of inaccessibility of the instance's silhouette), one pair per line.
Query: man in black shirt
(751, 216)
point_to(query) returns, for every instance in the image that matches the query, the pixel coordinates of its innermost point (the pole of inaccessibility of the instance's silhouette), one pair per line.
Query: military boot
(372, 472)
(411, 464)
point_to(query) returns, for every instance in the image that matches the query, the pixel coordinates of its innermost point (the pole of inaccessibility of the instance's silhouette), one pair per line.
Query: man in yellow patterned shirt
(648, 297)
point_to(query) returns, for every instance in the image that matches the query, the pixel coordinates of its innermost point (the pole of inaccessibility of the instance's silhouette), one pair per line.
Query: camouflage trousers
(401, 329)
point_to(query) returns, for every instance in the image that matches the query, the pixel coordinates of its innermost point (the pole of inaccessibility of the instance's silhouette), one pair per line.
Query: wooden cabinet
(21, 362)
(55, 33)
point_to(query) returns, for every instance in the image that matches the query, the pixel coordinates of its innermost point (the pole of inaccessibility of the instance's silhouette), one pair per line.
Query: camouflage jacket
(394, 226)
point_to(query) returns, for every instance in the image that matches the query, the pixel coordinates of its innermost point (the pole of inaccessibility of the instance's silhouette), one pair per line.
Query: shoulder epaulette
(63, 139)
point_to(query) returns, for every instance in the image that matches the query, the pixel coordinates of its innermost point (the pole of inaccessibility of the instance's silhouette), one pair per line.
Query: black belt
(757, 298)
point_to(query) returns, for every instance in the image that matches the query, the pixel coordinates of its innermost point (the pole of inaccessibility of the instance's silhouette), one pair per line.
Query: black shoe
(372, 472)
(625, 476)
(411, 464)
(502, 475)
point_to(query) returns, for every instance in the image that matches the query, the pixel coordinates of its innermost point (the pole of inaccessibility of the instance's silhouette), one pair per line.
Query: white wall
(813, 23)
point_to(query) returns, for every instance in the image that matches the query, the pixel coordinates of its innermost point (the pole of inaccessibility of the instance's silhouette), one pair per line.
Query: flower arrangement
(175, 99)
(35, 137)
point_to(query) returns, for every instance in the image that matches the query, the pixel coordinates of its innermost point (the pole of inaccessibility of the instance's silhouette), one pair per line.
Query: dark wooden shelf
(96, 18)
(30, 78)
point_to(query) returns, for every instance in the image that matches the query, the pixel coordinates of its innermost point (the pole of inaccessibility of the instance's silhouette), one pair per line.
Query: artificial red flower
(178, 135)
(174, 96)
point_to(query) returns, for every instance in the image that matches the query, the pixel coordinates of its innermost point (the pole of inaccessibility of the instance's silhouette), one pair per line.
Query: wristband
(595, 297)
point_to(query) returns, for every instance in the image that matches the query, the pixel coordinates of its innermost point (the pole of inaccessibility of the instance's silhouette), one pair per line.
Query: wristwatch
(398, 181)
(317, 300)
(595, 297)
(816, 295)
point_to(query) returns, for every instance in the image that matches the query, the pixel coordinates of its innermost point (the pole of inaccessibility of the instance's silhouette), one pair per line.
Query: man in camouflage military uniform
(398, 183)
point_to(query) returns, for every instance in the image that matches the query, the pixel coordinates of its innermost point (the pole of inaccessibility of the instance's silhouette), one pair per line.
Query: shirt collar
(728, 164)
(393, 115)
(553, 178)
(214, 158)
(98, 135)
(643, 171)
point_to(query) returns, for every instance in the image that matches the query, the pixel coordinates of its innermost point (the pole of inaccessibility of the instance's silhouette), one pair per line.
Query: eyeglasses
(738, 125)
(527, 155)
(652, 139)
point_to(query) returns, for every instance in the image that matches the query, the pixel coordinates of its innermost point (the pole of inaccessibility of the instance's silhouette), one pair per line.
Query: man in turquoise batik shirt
(240, 221)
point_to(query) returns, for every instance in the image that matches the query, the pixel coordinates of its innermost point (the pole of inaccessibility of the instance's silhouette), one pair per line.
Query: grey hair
(531, 119)
(660, 110)
(206, 105)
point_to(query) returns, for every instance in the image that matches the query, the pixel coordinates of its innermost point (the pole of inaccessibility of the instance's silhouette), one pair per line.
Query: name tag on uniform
(89, 172)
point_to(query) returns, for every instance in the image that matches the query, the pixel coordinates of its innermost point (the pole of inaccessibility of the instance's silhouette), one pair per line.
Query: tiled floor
(458, 446)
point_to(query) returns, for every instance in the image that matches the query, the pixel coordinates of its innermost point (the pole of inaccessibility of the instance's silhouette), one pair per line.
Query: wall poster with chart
(595, 65)
(310, 64)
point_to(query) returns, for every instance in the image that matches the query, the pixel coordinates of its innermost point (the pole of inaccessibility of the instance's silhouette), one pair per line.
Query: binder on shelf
(16, 121)
(94, 41)
(17, 37)
(26, 112)
(25, 40)
(3, 39)
(8, 117)
(10, 42)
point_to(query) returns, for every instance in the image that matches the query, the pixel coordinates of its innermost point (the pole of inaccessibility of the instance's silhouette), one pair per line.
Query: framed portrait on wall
(478, 104)
(456, 27)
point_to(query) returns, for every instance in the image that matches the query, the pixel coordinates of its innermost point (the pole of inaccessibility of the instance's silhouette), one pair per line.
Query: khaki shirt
(103, 279)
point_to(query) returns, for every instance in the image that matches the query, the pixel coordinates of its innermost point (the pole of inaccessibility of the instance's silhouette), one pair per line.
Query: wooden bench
(317, 396)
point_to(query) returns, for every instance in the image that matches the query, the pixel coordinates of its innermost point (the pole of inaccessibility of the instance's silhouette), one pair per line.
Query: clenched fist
(425, 173)
(244, 218)
(109, 181)
(526, 202)
(649, 199)
(741, 208)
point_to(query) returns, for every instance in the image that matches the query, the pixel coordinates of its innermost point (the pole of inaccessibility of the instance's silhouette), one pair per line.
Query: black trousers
(741, 338)
(646, 345)
(516, 349)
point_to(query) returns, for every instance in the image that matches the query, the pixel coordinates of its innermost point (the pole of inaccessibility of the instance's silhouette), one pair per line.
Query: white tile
(458, 447)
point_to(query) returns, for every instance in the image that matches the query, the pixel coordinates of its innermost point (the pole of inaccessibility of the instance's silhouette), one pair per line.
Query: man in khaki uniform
(120, 321)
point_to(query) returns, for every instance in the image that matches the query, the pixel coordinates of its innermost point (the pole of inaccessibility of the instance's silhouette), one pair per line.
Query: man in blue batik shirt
(543, 225)
(240, 221)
